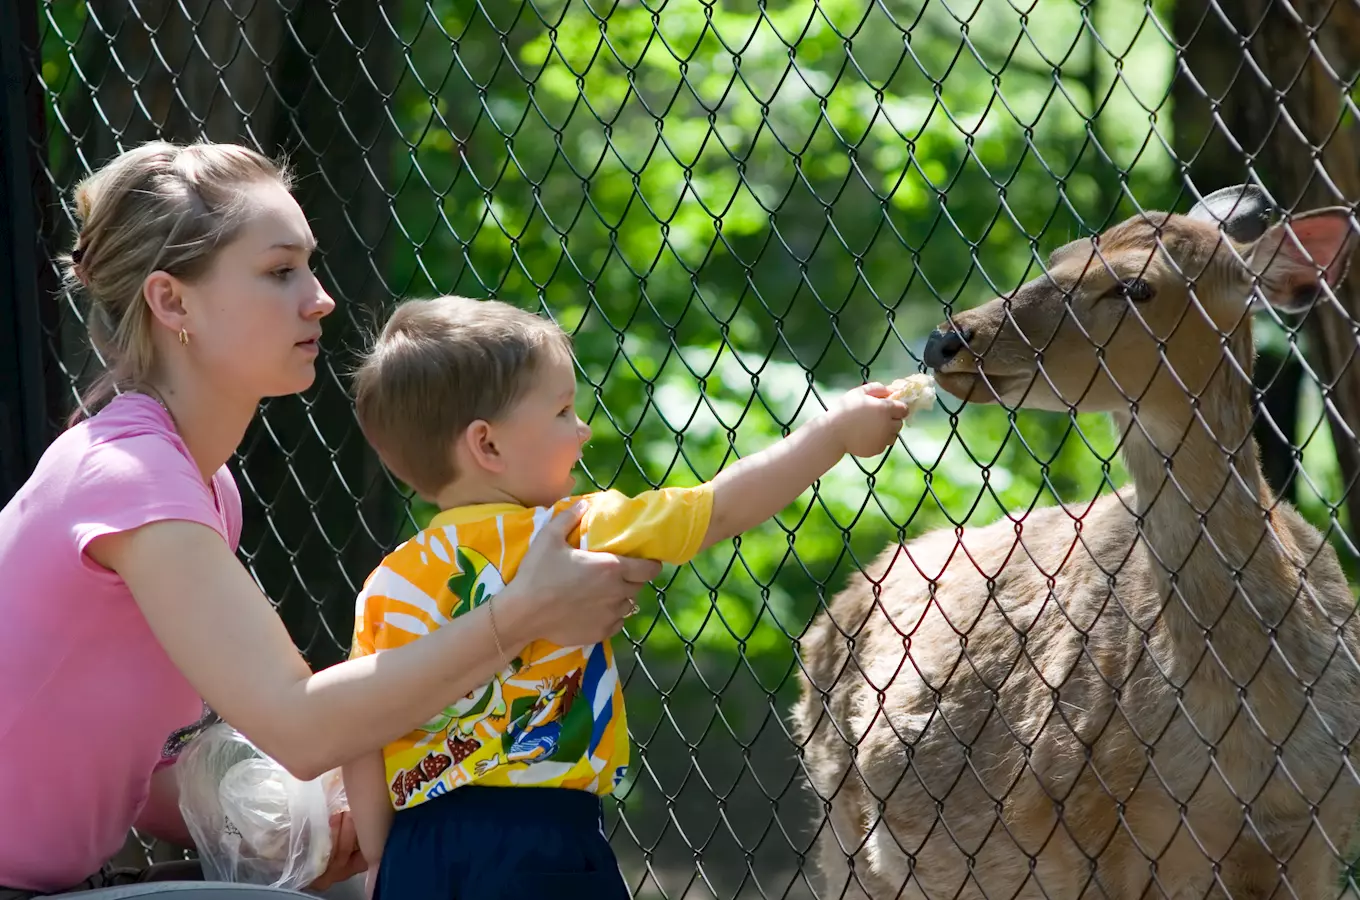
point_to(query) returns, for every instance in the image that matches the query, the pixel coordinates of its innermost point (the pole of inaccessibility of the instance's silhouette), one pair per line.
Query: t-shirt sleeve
(668, 525)
(403, 597)
(229, 501)
(127, 482)
(362, 639)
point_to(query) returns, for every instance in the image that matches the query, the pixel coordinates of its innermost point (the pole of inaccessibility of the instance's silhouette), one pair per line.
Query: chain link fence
(735, 209)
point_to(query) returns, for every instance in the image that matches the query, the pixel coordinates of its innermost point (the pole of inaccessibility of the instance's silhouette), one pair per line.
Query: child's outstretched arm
(864, 422)
(366, 790)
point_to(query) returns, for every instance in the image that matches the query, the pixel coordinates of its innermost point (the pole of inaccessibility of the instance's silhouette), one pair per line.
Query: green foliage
(739, 209)
(737, 212)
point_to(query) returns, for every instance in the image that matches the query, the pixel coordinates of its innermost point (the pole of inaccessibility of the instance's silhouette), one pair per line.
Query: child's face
(541, 438)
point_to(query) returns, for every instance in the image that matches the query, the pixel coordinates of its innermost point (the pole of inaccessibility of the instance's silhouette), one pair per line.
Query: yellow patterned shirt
(554, 717)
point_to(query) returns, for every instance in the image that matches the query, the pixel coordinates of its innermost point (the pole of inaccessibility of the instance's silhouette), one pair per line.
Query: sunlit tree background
(738, 209)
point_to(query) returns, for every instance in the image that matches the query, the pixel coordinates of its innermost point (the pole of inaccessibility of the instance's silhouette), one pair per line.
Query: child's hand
(346, 859)
(865, 421)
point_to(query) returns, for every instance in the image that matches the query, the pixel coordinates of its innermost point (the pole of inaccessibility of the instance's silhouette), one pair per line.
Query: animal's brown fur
(1149, 696)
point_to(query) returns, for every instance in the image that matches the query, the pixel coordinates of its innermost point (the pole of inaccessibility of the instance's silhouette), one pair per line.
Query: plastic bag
(251, 821)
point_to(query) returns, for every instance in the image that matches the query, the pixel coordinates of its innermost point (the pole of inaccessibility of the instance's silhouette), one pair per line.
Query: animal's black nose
(942, 346)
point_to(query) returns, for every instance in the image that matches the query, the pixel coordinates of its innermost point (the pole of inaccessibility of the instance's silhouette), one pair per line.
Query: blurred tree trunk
(334, 82)
(33, 388)
(1253, 94)
(142, 74)
(309, 81)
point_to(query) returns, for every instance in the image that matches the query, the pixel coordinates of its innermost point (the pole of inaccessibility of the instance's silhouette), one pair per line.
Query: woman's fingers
(578, 593)
(562, 524)
(638, 571)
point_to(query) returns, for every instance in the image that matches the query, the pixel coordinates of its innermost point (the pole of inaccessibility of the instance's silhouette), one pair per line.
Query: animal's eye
(1135, 289)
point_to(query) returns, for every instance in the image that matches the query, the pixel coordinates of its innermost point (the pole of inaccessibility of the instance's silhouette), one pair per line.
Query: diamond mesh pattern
(737, 208)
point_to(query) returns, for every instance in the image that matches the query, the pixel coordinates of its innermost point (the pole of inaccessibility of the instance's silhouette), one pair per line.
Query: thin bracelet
(495, 634)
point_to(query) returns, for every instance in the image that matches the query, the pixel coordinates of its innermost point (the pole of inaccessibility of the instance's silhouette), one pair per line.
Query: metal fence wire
(736, 208)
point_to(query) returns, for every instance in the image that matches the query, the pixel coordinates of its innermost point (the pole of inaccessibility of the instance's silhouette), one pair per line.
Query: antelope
(1151, 695)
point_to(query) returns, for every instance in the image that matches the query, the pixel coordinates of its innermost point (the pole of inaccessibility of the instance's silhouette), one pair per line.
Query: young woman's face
(255, 317)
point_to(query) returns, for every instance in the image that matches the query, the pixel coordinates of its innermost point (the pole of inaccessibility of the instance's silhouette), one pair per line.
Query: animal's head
(1146, 309)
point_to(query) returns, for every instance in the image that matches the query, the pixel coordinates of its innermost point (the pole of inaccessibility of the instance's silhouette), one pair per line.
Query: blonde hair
(438, 366)
(157, 207)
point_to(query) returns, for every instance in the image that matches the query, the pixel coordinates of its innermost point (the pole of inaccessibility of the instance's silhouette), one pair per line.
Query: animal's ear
(1243, 210)
(1293, 259)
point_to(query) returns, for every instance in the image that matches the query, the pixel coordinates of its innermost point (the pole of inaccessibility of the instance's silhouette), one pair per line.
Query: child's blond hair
(438, 366)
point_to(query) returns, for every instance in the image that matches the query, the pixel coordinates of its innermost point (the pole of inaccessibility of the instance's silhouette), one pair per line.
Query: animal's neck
(1203, 504)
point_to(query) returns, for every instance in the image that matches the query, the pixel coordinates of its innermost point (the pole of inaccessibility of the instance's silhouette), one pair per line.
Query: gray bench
(186, 890)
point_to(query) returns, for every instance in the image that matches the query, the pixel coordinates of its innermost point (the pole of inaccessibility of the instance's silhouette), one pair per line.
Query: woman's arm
(226, 638)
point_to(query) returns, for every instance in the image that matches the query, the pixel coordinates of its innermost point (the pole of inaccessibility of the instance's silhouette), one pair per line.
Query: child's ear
(480, 446)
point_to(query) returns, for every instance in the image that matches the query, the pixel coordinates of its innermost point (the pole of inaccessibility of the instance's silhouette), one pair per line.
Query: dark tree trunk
(342, 512)
(310, 81)
(1254, 95)
(32, 385)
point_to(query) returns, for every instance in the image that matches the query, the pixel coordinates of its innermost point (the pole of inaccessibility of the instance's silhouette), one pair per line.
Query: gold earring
(183, 338)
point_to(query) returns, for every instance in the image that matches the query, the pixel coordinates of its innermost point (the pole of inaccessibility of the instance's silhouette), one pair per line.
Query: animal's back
(938, 699)
(1009, 719)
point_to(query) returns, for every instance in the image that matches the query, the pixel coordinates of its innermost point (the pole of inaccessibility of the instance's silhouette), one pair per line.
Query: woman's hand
(346, 861)
(161, 816)
(567, 596)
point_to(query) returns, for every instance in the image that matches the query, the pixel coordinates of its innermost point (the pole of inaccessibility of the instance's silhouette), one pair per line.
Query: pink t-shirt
(90, 705)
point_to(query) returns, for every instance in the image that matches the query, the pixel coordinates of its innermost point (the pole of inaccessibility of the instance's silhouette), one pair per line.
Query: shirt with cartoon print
(554, 717)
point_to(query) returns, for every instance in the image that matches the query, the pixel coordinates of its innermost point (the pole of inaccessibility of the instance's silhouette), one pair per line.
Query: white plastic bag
(252, 822)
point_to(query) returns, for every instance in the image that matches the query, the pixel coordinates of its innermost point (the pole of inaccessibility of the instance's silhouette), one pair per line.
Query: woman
(125, 608)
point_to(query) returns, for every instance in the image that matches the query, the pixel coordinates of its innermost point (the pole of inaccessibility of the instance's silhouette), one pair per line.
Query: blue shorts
(489, 843)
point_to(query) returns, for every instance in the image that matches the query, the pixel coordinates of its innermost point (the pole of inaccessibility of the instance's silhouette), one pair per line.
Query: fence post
(24, 423)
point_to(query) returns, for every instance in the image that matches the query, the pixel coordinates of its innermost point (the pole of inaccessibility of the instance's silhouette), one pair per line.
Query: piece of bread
(917, 391)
